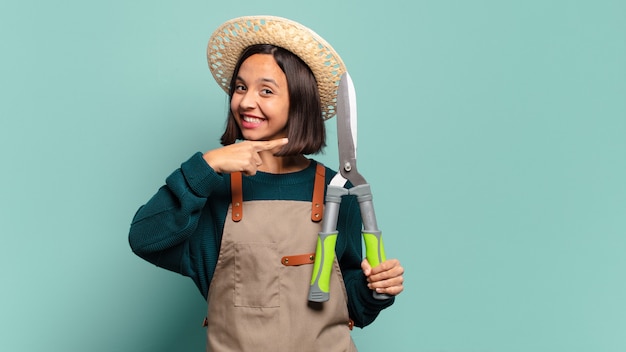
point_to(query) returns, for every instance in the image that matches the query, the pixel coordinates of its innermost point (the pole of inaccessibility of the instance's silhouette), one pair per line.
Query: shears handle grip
(319, 291)
(372, 236)
(375, 254)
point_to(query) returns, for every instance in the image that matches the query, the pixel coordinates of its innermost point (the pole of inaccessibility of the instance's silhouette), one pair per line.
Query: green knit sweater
(180, 227)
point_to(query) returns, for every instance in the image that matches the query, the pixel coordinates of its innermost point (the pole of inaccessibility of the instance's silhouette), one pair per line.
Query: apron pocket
(257, 275)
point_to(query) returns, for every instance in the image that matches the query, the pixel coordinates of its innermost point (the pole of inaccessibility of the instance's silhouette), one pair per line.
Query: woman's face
(260, 102)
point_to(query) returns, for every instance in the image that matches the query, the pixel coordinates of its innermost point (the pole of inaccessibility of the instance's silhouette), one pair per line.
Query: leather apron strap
(236, 191)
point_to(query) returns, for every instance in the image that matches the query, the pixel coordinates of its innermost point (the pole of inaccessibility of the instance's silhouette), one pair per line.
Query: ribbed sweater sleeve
(168, 232)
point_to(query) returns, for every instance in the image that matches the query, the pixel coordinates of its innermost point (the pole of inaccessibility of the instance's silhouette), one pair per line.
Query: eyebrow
(266, 80)
(269, 80)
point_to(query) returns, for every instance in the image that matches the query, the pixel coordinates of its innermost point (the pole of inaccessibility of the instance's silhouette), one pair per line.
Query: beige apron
(258, 298)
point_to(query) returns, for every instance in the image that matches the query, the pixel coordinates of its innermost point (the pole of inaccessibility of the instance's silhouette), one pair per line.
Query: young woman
(242, 220)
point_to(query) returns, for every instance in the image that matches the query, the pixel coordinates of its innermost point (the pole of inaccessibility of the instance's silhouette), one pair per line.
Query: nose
(248, 100)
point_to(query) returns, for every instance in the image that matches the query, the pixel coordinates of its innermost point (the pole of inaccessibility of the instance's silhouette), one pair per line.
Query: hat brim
(228, 42)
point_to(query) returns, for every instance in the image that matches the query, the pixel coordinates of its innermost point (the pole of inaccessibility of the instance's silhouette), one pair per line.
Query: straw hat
(234, 36)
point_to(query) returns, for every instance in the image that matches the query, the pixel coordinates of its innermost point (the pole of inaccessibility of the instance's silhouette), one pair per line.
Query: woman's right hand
(243, 156)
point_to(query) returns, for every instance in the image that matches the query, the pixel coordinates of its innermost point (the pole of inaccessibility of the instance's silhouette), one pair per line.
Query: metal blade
(346, 130)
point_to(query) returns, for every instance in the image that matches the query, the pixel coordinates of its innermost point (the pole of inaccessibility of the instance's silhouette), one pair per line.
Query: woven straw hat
(229, 41)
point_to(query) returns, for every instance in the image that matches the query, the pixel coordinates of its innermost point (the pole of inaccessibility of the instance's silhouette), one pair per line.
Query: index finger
(385, 266)
(268, 145)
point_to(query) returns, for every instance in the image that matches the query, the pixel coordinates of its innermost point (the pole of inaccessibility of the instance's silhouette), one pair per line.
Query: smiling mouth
(252, 120)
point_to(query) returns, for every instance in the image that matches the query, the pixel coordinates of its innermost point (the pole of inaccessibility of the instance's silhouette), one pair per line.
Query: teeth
(252, 119)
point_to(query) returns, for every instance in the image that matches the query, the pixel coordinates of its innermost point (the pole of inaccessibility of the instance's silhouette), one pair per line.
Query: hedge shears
(327, 238)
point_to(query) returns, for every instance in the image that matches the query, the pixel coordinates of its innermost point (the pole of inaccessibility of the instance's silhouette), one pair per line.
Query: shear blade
(347, 130)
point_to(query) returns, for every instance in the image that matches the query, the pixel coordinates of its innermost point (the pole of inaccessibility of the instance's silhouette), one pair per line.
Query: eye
(266, 91)
(240, 88)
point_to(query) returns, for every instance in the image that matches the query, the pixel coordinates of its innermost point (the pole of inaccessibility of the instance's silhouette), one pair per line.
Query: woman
(247, 241)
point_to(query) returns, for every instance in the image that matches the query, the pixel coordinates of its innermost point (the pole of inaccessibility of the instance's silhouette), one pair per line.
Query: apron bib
(258, 298)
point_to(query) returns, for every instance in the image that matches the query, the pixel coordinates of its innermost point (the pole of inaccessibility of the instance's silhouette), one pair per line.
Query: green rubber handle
(374, 248)
(325, 250)
(375, 254)
(322, 268)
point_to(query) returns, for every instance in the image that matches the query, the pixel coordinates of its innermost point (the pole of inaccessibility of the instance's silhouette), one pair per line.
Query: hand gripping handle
(372, 236)
(325, 250)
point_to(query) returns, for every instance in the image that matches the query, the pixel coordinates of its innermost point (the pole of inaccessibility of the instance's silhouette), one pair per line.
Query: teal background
(493, 134)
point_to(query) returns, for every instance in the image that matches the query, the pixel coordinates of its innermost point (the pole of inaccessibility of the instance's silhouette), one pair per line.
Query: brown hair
(305, 125)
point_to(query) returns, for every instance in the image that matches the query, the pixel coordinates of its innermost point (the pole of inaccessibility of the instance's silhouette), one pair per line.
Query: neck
(282, 164)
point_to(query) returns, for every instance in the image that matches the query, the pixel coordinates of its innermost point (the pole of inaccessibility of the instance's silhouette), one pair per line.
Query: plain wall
(493, 134)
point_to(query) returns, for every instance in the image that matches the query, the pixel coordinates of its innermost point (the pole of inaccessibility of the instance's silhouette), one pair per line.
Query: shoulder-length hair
(305, 125)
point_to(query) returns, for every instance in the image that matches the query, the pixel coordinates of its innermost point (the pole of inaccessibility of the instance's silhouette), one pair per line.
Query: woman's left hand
(386, 277)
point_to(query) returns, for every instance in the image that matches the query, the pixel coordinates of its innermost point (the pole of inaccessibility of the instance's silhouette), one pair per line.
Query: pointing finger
(269, 145)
